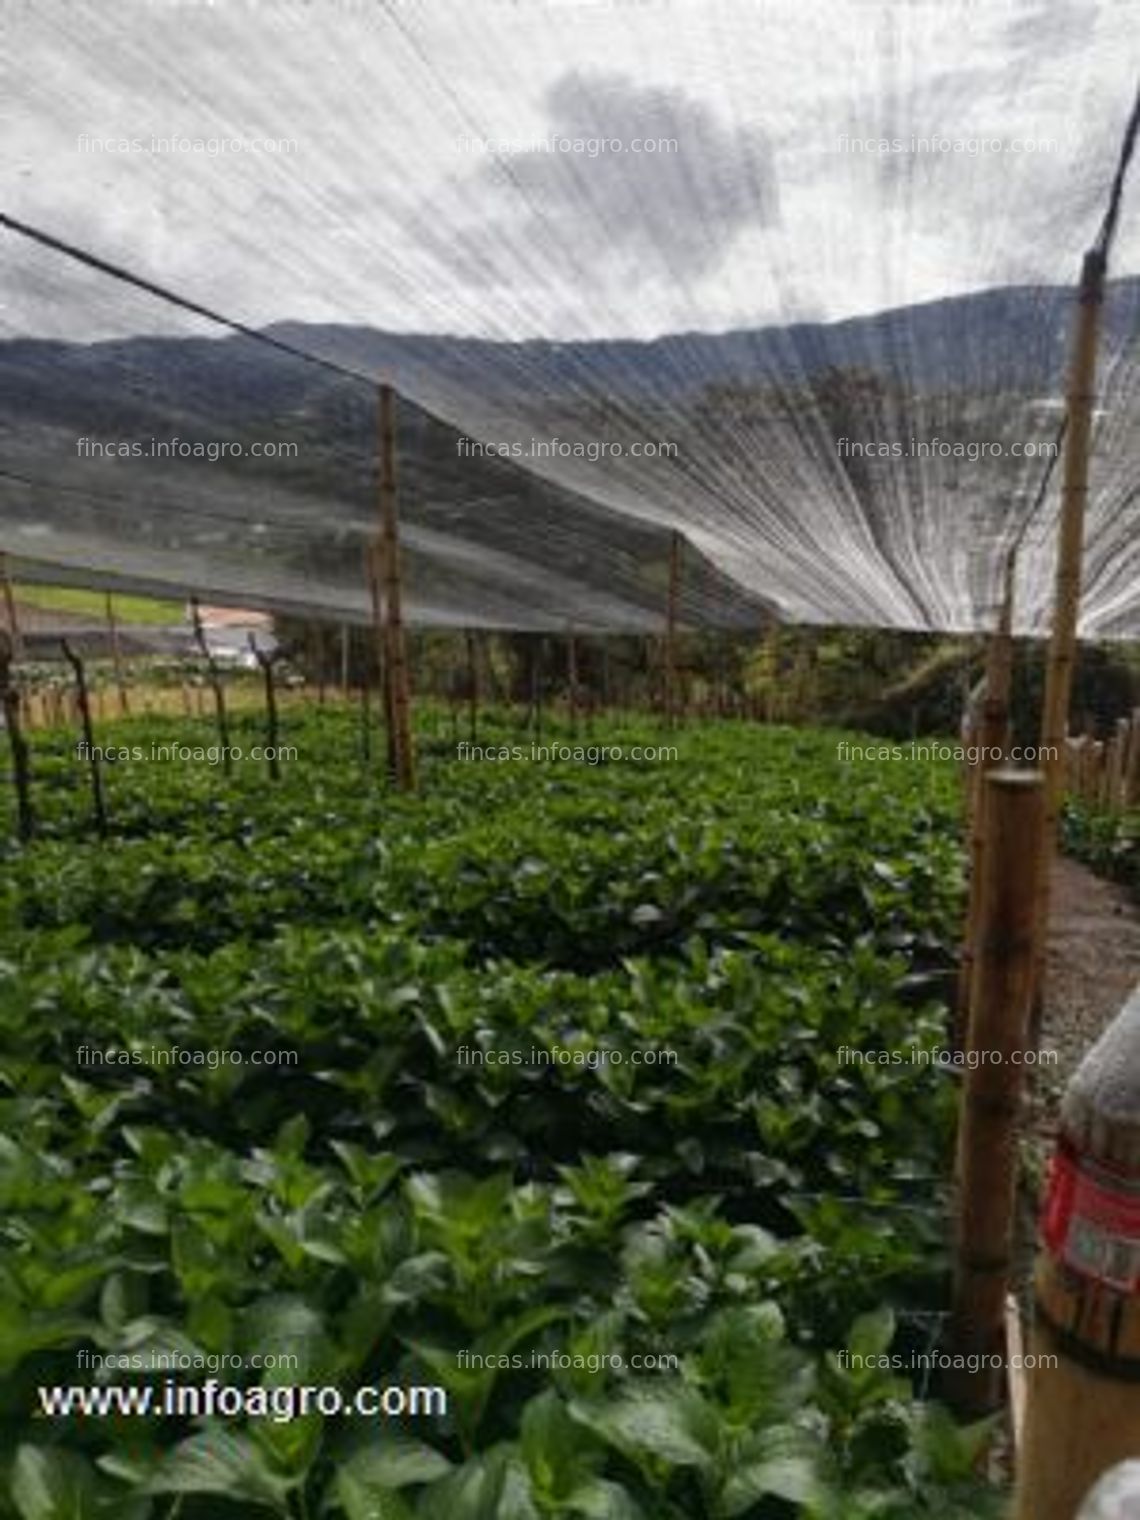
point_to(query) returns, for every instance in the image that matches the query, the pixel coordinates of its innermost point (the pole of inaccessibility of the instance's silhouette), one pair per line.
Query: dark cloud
(676, 209)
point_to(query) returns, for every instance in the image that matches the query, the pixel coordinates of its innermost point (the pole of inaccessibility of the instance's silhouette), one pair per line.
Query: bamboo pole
(671, 628)
(10, 609)
(572, 680)
(1063, 644)
(1082, 1411)
(117, 655)
(266, 660)
(215, 686)
(344, 662)
(993, 741)
(396, 648)
(21, 768)
(1132, 769)
(472, 686)
(1000, 1002)
(319, 661)
(536, 685)
(372, 559)
(93, 756)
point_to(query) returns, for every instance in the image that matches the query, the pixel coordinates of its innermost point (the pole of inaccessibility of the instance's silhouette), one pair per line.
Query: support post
(319, 661)
(215, 686)
(267, 659)
(21, 769)
(572, 680)
(671, 628)
(372, 558)
(987, 1135)
(10, 609)
(93, 759)
(472, 686)
(117, 657)
(396, 647)
(1070, 545)
(536, 685)
(1132, 769)
(993, 741)
(1083, 1389)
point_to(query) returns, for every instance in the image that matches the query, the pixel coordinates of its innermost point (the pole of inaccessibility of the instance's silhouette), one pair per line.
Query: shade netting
(793, 277)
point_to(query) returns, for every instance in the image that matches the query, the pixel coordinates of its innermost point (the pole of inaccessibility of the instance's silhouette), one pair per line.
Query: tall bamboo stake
(1132, 768)
(117, 656)
(93, 757)
(215, 686)
(10, 609)
(1062, 647)
(266, 660)
(536, 685)
(472, 686)
(21, 769)
(372, 557)
(344, 662)
(319, 660)
(671, 628)
(572, 679)
(993, 740)
(987, 1136)
(405, 776)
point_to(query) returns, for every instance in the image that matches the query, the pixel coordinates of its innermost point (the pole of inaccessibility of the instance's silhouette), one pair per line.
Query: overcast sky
(377, 211)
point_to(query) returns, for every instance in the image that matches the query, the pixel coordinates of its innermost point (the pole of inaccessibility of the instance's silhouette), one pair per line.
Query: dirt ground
(1092, 968)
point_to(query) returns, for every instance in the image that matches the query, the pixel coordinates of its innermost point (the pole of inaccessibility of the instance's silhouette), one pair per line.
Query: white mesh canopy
(792, 277)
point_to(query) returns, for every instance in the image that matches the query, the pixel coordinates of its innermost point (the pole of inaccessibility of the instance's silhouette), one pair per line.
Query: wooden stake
(21, 769)
(396, 648)
(1132, 769)
(373, 556)
(117, 657)
(93, 757)
(344, 662)
(572, 680)
(536, 642)
(987, 1137)
(319, 660)
(215, 686)
(365, 722)
(675, 543)
(993, 741)
(1063, 644)
(267, 660)
(472, 686)
(10, 609)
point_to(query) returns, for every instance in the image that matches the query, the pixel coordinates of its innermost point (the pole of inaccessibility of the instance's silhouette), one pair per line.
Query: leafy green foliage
(567, 1096)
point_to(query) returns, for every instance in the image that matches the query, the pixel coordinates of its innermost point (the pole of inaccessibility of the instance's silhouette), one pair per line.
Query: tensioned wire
(723, 487)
